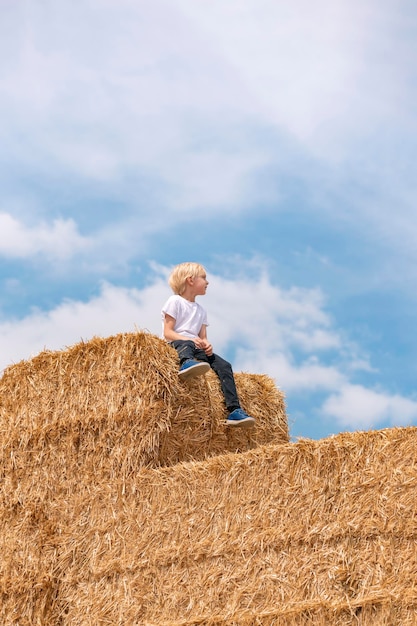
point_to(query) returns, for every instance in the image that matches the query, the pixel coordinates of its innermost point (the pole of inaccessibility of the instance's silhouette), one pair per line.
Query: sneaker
(238, 417)
(191, 369)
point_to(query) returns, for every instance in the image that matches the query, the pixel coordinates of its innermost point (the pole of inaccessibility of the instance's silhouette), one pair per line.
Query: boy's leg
(224, 371)
(186, 349)
(191, 364)
(189, 354)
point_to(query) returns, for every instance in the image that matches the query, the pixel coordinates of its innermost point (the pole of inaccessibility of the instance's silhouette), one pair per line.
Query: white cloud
(138, 92)
(114, 310)
(196, 100)
(256, 312)
(57, 240)
(292, 377)
(357, 407)
(308, 66)
(252, 314)
(124, 97)
(262, 320)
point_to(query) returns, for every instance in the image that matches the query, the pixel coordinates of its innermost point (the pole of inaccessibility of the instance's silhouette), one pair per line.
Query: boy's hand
(208, 349)
(203, 344)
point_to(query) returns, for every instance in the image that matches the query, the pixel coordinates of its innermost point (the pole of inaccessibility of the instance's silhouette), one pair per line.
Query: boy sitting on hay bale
(185, 328)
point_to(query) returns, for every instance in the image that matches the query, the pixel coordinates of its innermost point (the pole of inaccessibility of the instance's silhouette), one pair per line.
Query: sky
(273, 142)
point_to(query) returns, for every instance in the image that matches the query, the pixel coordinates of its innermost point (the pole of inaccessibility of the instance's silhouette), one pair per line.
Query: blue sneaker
(238, 417)
(191, 369)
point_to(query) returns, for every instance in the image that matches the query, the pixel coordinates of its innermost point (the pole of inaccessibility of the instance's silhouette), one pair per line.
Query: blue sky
(273, 142)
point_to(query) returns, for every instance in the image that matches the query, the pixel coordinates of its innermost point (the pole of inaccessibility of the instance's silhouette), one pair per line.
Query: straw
(283, 534)
(100, 524)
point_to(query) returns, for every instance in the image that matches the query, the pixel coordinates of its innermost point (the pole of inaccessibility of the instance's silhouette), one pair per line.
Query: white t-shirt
(189, 316)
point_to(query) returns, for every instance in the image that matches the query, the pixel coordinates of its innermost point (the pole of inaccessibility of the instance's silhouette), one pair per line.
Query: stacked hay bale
(99, 523)
(110, 406)
(315, 532)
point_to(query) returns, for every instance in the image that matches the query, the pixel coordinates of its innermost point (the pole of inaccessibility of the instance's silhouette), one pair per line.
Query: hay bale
(110, 406)
(321, 532)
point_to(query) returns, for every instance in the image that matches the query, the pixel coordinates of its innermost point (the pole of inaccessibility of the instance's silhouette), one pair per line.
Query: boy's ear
(189, 280)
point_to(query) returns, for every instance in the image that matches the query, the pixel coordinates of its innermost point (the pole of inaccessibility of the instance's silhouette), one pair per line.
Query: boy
(184, 327)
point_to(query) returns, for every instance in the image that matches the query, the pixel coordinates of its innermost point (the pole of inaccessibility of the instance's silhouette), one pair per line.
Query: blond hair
(180, 273)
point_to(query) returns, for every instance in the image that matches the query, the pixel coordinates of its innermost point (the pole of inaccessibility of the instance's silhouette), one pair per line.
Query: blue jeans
(188, 350)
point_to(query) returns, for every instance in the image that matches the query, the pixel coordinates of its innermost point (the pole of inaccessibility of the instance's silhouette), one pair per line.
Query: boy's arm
(169, 332)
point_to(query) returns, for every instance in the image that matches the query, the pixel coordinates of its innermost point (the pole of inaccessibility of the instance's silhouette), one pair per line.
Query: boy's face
(200, 283)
